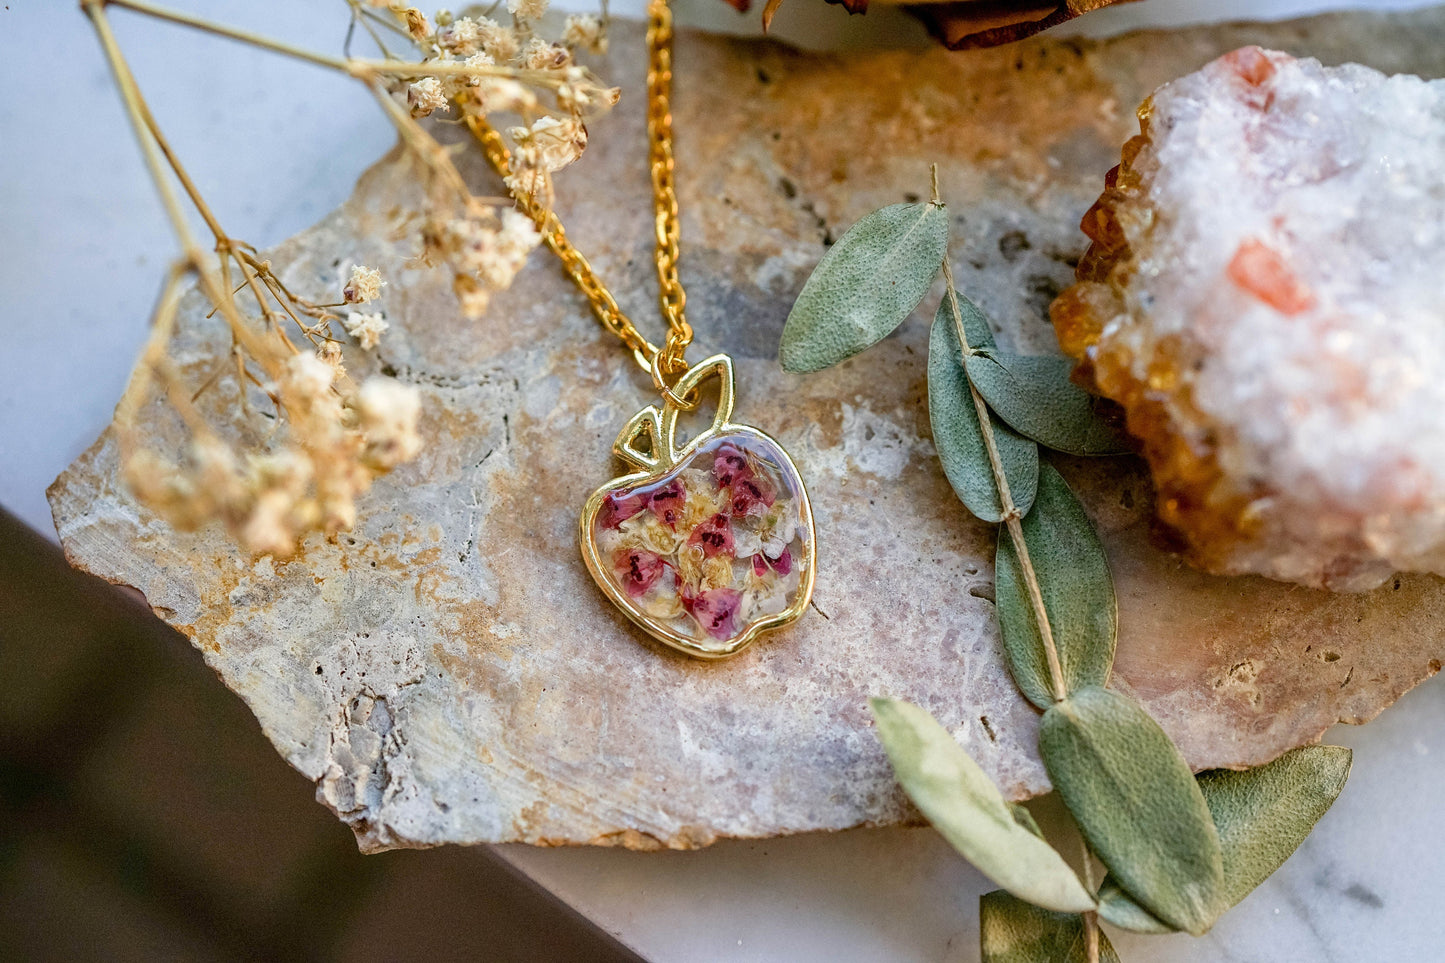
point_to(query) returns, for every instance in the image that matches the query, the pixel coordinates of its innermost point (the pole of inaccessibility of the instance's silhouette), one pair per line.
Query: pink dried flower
(716, 610)
(638, 569)
(729, 465)
(715, 536)
(752, 496)
(618, 508)
(667, 503)
(783, 564)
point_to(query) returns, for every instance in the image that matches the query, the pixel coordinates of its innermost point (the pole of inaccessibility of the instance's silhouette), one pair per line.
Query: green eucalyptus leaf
(1119, 908)
(958, 435)
(1262, 816)
(1078, 592)
(1037, 399)
(1013, 931)
(1024, 818)
(865, 285)
(1137, 804)
(967, 809)
(975, 323)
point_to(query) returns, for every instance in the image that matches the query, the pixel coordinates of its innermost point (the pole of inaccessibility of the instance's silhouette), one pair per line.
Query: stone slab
(447, 672)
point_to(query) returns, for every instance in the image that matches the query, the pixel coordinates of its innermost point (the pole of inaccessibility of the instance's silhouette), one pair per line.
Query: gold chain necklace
(710, 541)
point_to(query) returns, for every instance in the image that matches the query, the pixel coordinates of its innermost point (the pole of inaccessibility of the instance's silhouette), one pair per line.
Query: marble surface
(1364, 887)
(83, 231)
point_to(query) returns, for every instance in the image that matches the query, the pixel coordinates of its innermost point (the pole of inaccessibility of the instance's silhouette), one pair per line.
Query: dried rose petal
(617, 509)
(716, 610)
(667, 502)
(729, 465)
(638, 569)
(714, 535)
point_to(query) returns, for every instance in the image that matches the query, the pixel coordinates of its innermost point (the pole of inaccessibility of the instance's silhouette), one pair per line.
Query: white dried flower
(519, 235)
(529, 178)
(267, 530)
(286, 470)
(414, 21)
(583, 96)
(490, 252)
(217, 473)
(364, 285)
(425, 96)
(501, 94)
(538, 54)
(472, 298)
(477, 61)
(305, 378)
(365, 328)
(555, 141)
(388, 412)
(499, 41)
(461, 37)
(330, 352)
(527, 9)
(585, 30)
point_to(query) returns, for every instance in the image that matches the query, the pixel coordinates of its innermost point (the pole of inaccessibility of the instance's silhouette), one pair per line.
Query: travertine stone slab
(448, 672)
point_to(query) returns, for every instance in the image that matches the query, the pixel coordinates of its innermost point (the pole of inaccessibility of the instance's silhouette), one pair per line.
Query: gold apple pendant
(709, 542)
(708, 545)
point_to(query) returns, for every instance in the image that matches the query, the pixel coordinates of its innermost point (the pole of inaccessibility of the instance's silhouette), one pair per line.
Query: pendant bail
(660, 382)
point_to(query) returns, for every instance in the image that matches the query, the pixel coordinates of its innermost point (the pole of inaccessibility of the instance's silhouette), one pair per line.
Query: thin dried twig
(1012, 517)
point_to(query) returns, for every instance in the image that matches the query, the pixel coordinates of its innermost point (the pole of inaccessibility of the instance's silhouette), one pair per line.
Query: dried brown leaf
(970, 24)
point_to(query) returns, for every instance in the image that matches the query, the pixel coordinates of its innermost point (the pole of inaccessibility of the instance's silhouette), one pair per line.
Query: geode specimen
(1262, 296)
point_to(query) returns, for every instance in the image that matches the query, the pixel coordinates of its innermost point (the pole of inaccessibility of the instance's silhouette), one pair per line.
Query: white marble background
(82, 248)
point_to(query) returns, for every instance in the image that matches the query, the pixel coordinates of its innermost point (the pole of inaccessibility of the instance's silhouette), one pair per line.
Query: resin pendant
(708, 545)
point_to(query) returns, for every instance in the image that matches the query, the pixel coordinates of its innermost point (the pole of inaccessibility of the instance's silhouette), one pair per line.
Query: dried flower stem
(1091, 918)
(234, 33)
(359, 67)
(192, 256)
(433, 154)
(1012, 517)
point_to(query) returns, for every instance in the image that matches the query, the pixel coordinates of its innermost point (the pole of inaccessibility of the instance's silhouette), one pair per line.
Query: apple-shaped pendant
(708, 545)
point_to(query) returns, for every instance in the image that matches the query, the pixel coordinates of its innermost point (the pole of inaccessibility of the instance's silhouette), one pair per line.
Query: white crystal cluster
(1288, 247)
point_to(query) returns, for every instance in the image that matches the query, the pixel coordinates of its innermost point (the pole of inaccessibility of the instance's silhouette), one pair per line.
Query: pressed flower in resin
(711, 547)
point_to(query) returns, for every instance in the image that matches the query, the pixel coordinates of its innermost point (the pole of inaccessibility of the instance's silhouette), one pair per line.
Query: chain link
(666, 363)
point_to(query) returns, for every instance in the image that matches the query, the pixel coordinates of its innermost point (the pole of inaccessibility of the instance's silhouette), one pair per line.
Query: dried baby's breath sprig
(325, 440)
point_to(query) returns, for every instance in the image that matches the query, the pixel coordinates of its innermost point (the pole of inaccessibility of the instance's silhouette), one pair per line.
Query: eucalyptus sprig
(1179, 849)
